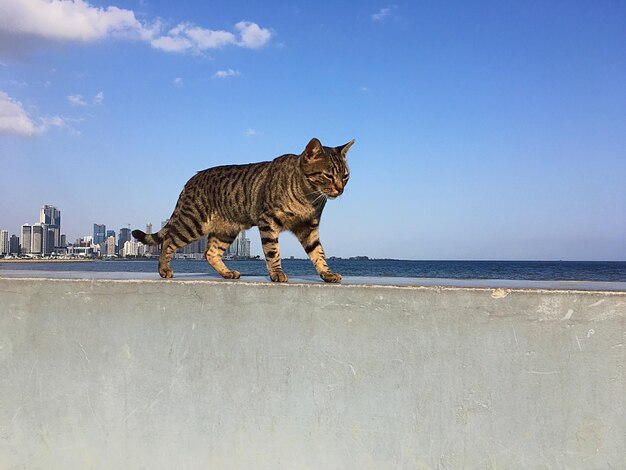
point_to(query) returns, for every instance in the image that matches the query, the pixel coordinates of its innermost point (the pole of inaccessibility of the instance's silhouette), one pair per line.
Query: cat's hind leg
(167, 251)
(217, 244)
(269, 228)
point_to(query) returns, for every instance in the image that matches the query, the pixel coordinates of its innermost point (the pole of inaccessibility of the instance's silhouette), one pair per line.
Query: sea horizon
(556, 270)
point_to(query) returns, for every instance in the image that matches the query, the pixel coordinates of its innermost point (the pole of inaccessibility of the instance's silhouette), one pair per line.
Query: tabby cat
(288, 193)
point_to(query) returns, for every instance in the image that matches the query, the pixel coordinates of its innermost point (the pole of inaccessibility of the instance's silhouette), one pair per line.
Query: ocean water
(514, 270)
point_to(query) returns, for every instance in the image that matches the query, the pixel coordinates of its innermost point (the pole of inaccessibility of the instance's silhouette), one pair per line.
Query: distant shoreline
(47, 260)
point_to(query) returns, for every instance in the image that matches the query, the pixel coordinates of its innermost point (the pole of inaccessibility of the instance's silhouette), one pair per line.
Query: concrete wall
(216, 375)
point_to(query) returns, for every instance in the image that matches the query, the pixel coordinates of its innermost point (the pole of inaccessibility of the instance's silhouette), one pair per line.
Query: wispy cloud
(249, 132)
(189, 37)
(76, 100)
(78, 21)
(178, 81)
(14, 120)
(226, 73)
(98, 99)
(18, 83)
(383, 13)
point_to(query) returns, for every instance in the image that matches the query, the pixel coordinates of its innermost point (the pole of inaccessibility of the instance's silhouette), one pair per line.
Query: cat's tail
(148, 238)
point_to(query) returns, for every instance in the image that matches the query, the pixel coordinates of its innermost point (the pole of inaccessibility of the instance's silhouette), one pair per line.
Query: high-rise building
(51, 216)
(63, 240)
(240, 247)
(132, 248)
(27, 236)
(147, 249)
(110, 233)
(99, 233)
(4, 242)
(123, 238)
(110, 246)
(38, 239)
(196, 248)
(51, 242)
(14, 245)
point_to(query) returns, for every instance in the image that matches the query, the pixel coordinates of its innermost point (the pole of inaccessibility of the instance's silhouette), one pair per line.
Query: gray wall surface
(106, 374)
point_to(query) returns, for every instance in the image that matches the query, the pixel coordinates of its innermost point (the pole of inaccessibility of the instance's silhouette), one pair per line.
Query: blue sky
(484, 130)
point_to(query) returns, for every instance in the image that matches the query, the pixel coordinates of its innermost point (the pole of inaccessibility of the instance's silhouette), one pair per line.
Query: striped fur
(287, 193)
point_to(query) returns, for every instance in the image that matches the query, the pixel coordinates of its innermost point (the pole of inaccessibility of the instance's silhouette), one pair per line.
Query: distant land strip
(47, 260)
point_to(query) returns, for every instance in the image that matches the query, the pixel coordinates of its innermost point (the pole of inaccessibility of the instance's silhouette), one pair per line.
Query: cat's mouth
(332, 194)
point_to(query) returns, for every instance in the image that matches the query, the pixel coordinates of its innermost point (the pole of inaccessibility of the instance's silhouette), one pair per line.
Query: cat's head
(326, 168)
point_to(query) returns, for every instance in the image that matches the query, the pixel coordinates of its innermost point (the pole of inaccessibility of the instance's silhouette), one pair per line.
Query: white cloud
(77, 20)
(99, 98)
(252, 35)
(383, 13)
(208, 39)
(171, 44)
(76, 100)
(189, 37)
(18, 83)
(73, 20)
(226, 73)
(58, 122)
(249, 132)
(15, 120)
(178, 81)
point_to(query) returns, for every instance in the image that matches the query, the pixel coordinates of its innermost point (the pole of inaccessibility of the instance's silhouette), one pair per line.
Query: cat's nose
(336, 191)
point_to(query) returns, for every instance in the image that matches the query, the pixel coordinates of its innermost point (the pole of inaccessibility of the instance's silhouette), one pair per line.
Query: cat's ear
(313, 151)
(343, 149)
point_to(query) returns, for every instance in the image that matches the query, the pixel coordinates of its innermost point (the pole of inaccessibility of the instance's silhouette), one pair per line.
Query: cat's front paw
(231, 275)
(166, 273)
(278, 276)
(329, 276)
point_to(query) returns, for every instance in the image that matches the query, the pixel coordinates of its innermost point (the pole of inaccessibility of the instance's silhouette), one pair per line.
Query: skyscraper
(27, 234)
(240, 247)
(50, 243)
(4, 242)
(147, 249)
(110, 246)
(51, 216)
(38, 238)
(99, 233)
(14, 245)
(123, 238)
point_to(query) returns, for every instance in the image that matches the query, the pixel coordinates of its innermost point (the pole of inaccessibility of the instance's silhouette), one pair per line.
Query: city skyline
(484, 130)
(44, 238)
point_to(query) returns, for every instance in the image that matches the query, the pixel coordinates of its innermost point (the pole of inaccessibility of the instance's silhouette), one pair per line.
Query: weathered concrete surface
(107, 374)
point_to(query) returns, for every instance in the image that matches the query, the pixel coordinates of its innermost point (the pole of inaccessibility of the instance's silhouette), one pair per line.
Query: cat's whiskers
(321, 197)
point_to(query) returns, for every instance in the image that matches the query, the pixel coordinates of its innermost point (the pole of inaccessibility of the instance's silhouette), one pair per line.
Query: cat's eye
(327, 177)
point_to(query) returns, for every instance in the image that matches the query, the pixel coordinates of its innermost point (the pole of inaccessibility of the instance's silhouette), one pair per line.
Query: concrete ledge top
(347, 280)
